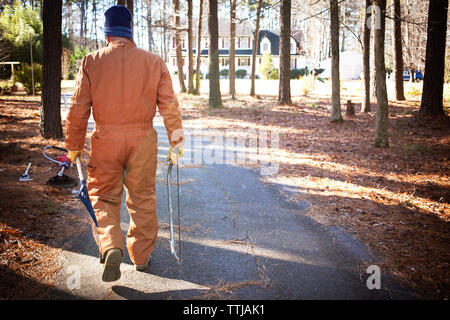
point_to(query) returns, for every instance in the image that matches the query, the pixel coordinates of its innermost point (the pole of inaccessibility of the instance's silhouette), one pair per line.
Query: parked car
(418, 75)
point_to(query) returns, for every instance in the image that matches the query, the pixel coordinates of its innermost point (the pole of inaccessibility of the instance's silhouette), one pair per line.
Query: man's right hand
(73, 155)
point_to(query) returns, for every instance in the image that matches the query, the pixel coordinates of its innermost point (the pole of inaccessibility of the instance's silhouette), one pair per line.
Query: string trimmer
(65, 163)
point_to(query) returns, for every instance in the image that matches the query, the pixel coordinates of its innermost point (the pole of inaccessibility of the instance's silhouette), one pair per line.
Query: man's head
(118, 22)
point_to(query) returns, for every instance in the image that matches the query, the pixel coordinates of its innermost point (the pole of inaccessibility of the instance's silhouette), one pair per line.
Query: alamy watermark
(241, 147)
(374, 280)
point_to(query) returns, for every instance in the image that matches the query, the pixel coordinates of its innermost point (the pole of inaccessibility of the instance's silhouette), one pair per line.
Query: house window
(183, 44)
(174, 62)
(245, 62)
(174, 43)
(238, 40)
(249, 45)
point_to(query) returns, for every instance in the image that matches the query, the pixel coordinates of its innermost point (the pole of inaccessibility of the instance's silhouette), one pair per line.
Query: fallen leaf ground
(395, 200)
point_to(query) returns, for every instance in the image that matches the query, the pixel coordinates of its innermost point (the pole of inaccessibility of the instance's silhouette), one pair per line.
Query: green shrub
(318, 71)
(224, 72)
(23, 76)
(297, 73)
(273, 74)
(266, 67)
(241, 73)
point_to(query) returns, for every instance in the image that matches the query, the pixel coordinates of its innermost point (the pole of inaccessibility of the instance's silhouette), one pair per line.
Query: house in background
(269, 42)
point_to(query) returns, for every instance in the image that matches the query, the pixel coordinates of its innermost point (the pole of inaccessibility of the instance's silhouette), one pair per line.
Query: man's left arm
(80, 111)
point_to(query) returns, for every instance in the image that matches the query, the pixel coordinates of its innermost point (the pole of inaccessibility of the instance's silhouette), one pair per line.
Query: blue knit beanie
(118, 22)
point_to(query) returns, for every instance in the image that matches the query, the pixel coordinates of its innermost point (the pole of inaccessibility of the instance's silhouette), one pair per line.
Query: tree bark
(336, 115)
(284, 89)
(130, 6)
(255, 48)
(199, 48)
(365, 107)
(190, 51)
(149, 26)
(398, 52)
(176, 9)
(232, 62)
(381, 122)
(433, 84)
(215, 99)
(50, 113)
(373, 76)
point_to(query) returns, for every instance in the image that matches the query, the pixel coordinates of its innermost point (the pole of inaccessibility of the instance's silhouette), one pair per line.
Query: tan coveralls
(123, 84)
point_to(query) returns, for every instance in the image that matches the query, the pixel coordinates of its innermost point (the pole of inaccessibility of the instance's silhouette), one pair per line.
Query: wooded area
(348, 27)
(358, 90)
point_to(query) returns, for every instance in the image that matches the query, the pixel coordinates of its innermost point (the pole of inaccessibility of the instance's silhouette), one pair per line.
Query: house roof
(243, 28)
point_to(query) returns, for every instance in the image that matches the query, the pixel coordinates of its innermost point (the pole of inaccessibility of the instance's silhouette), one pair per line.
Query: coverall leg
(125, 155)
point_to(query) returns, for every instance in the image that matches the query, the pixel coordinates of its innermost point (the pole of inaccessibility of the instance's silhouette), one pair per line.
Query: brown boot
(111, 268)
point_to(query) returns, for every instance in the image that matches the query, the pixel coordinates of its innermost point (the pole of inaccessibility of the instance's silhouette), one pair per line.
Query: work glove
(174, 156)
(73, 155)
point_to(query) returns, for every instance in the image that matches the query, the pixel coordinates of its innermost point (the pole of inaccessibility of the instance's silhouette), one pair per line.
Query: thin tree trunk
(50, 113)
(433, 84)
(336, 115)
(130, 6)
(255, 48)
(365, 107)
(381, 122)
(149, 26)
(284, 89)
(176, 8)
(232, 62)
(398, 52)
(199, 48)
(373, 76)
(82, 24)
(190, 51)
(215, 99)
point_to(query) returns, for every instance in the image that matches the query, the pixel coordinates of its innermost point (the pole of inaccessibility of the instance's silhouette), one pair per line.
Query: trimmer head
(62, 181)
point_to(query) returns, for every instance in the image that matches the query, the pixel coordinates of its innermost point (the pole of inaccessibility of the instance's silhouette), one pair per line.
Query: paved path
(241, 239)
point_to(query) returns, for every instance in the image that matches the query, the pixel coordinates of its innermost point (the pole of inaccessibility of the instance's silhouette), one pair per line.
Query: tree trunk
(284, 89)
(149, 26)
(373, 76)
(130, 6)
(215, 99)
(82, 24)
(199, 48)
(232, 62)
(398, 52)
(381, 122)
(190, 51)
(365, 107)
(433, 84)
(336, 115)
(255, 48)
(176, 9)
(50, 113)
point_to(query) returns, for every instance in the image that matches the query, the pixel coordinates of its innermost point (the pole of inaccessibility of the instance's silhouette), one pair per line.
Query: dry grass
(36, 220)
